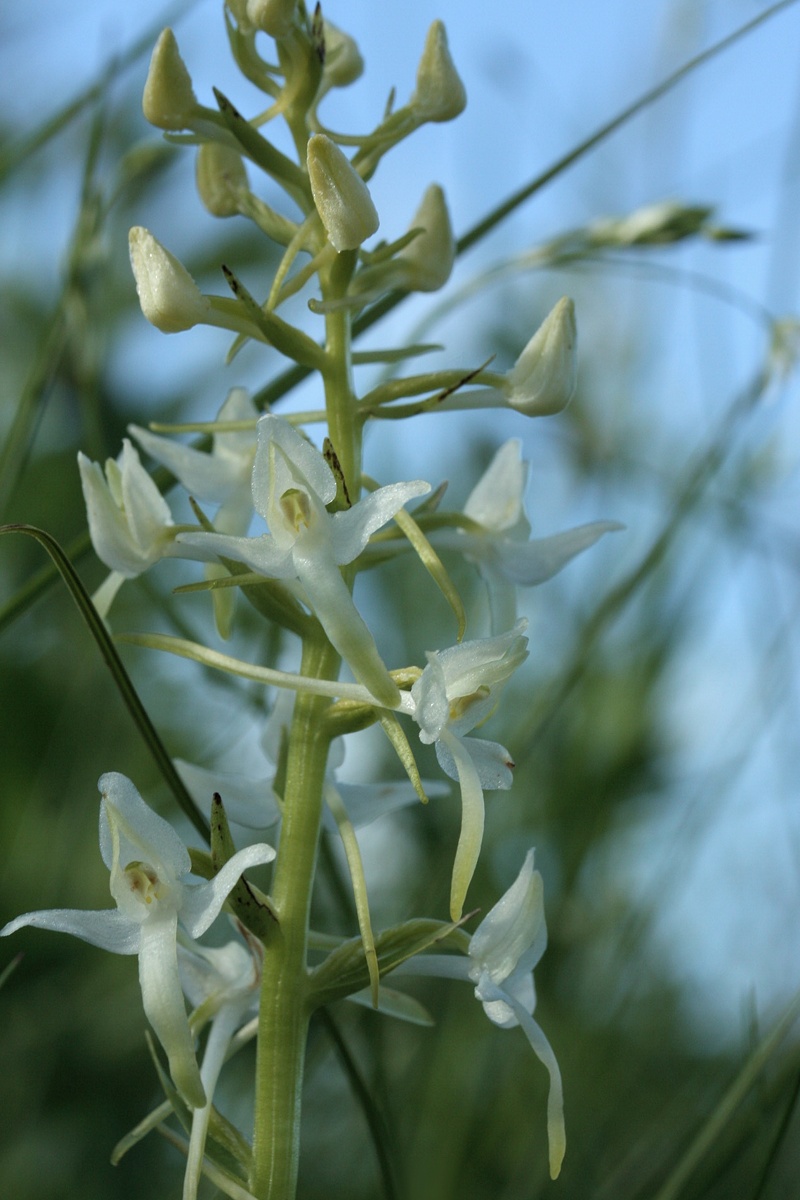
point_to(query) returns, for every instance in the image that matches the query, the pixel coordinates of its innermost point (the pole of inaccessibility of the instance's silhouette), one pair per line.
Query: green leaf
(345, 971)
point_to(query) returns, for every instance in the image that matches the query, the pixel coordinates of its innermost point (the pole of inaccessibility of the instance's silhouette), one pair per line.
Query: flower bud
(169, 297)
(273, 16)
(430, 257)
(543, 379)
(653, 225)
(221, 177)
(169, 100)
(342, 198)
(343, 61)
(439, 94)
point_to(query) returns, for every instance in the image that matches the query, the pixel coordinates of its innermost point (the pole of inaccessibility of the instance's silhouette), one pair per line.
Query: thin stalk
(340, 400)
(283, 1017)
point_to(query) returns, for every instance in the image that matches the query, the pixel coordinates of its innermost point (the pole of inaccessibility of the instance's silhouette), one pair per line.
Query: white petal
(109, 929)
(146, 510)
(367, 802)
(248, 802)
(333, 605)
(511, 928)
(260, 554)
(220, 972)
(223, 1027)
(352, 529)
(305, 458)
(144, 836)
(491, 761)
(432, 707)
(203, 475)
(483, 662)
(109, 530)
(534, 562)
(203, 902)
(163, 1003)
(238, 406)
(496, 500)
(556, 1135)
(104, 596)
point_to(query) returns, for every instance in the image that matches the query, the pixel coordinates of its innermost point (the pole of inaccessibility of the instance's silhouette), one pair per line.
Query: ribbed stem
(283, 1018)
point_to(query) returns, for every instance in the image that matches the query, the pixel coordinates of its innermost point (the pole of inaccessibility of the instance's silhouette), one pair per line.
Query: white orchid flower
(222, 477)
(221, 983)
(130, 522)
(457, 691)
(149, 864)
(503, 952)
(292, 484)
(501, 546)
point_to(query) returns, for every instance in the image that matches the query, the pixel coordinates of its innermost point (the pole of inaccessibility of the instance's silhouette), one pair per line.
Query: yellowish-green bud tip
(169, 100)
(220, 178)
(543, 379)
(439, 95)
(431, 255)
(342, 198)
(169, 297)
(273, 16)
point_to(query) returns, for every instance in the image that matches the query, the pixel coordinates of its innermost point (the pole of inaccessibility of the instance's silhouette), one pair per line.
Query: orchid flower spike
(502, 954)
(498, 541)
(458, 690)
(292, 484)
(149, 864)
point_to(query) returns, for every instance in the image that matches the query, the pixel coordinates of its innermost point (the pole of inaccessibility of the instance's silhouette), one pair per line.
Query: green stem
(340, 402)
(283, 1016)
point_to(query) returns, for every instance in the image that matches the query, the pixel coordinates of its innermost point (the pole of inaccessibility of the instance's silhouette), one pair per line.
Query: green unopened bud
(273, 16)
(168, 101)
(169, 297)
(543, 379)
(429, 258)
(342, 198)
(653, 225)
(221, 178)
(343, 61)
(439, 94)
